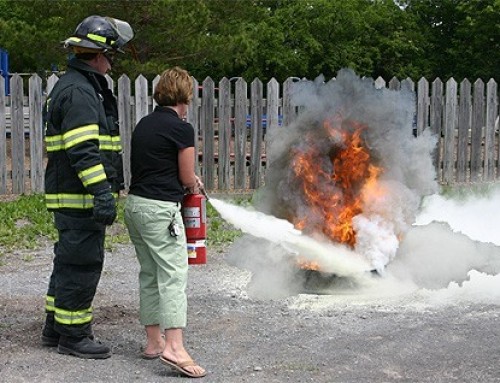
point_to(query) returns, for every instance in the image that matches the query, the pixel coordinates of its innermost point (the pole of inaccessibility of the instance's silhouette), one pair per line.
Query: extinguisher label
(191, 212)
(192, 223)
(191, 251)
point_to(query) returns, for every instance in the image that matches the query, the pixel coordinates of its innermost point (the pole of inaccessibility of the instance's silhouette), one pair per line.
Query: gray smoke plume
(387, 118)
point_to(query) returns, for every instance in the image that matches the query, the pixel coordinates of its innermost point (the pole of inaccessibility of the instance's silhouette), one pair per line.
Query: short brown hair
(175, 87)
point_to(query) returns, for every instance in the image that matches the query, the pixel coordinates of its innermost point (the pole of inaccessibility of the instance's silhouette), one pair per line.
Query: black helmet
(101, 33)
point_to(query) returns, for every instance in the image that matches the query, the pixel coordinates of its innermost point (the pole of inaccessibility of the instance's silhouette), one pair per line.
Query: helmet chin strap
(109, 56)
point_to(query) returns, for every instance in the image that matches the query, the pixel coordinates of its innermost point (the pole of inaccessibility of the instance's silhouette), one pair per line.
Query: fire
(333, 172)
(307, 265)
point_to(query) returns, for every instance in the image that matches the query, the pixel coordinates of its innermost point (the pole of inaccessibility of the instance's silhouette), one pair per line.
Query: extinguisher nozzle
(204, 192)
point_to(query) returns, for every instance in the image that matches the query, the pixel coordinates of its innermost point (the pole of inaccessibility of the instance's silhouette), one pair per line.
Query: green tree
(477, 42)
(462, 36)
(270, 38)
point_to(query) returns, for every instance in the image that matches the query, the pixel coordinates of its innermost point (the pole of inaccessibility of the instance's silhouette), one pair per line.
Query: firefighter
(83, 177)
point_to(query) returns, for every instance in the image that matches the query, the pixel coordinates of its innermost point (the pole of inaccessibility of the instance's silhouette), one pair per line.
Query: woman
(162, 165)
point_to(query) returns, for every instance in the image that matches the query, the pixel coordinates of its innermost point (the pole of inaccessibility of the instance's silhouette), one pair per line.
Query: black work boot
(50, 337)
(85, 348)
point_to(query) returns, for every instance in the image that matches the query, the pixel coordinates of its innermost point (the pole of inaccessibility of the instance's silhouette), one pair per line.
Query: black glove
(104, 207)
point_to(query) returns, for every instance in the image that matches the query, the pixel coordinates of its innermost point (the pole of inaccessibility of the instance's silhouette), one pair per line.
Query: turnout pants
(78, 262)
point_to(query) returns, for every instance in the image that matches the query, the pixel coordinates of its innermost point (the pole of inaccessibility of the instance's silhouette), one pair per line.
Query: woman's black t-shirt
(156, 141)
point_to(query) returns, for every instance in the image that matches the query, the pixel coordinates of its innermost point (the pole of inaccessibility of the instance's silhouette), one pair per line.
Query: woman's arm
(186, 170)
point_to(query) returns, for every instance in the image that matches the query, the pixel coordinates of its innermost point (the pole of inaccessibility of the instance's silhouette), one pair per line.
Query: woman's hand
(199, 183)
(197, 188)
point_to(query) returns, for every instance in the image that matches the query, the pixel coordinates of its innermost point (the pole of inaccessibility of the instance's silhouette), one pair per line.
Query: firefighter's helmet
(98, 33)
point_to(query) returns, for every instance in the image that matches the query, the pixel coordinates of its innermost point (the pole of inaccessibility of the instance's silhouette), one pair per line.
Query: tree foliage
(270, 38)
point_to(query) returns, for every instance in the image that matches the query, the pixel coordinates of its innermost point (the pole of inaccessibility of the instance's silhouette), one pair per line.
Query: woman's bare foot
(182, 362)
(176, 356)
(155, 342)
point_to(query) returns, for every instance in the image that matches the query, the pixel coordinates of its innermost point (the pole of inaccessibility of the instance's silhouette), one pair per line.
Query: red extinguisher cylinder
(194, 216)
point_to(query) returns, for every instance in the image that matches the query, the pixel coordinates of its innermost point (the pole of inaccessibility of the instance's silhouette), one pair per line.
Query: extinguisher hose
(204, 192)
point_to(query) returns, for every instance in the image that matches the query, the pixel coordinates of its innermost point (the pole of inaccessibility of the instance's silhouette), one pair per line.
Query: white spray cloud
(332, 258)
(438, 263)
(447, 252)
(387, 116)
(458, 210)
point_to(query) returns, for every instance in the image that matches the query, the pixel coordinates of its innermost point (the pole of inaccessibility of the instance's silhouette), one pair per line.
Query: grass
(219, 232)
(463, 192)
(25, 221)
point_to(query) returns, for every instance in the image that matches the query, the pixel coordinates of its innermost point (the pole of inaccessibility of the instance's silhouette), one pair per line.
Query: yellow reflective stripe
(84, 133)
(73, 317)
(101, 39)
(49, 303)
(106, 142)
(75, 39)
(92, 175)
(54, 143)
(72, 137)
(117, 143)
(94, 37)
(110, 143)
(74, 201)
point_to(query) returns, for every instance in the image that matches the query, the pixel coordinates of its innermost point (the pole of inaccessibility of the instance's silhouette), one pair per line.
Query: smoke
(425, 245)
(408, 172)
(433, 255)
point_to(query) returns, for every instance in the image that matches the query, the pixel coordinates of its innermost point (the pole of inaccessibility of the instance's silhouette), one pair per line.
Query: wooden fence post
(193, 114)
(288, 108)
(224, 107)
(256, 133)
(489, 139)
(422, 105)
(477, 132)
(463, 131)
(125, 124)
(436, 121)
(240, 133)
(36, 130)
(207, 130)
(272, 107)
(379, 83)
(394, 84)
(450, 117)
(141, 98)
(17, 134)
(51, 82)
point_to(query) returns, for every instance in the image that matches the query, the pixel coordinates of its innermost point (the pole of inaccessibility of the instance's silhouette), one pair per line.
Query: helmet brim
(75, 41)
(124, 30)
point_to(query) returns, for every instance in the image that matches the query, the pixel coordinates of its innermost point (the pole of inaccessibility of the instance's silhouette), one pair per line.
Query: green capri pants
(163, 260)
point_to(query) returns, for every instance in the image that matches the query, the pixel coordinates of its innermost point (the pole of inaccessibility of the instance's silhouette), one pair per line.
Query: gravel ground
(237, 338)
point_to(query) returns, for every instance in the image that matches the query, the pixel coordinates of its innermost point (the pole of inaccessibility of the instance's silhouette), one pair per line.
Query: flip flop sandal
(181, 367)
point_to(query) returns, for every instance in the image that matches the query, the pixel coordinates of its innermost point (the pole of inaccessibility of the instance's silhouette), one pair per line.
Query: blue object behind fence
(264, 120)
(4, 69)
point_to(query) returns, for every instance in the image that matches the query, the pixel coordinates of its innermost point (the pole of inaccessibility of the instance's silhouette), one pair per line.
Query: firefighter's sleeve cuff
(101, 188)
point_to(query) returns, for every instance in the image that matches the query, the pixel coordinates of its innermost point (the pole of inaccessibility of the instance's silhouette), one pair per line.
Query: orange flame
(333, 174)
(307, 265)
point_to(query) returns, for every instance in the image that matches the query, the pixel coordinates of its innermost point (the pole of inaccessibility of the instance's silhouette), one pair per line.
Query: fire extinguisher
(194, 216)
